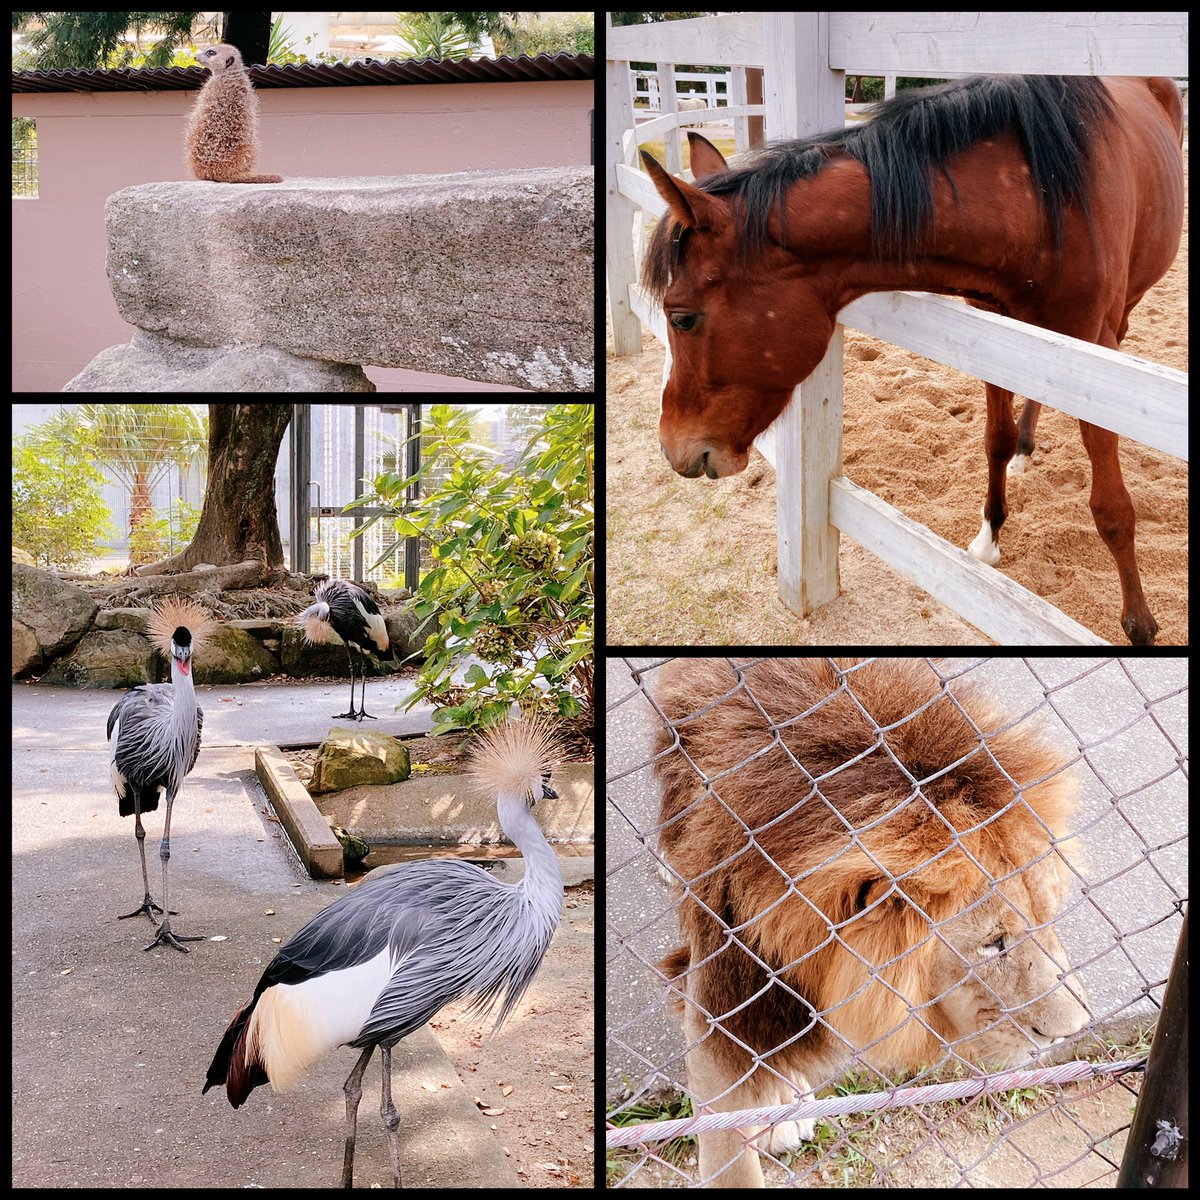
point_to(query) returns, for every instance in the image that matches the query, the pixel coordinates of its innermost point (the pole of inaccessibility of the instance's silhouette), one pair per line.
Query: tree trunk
(239, 520)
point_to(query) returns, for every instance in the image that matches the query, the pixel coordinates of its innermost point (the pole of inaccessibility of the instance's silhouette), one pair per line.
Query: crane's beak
(548, 793)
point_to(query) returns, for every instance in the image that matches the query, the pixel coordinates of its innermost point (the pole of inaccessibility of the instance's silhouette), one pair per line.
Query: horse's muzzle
(703, 458)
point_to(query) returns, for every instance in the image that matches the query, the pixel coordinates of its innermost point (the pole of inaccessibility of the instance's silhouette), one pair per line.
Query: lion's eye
(995, 946)
(684, 322)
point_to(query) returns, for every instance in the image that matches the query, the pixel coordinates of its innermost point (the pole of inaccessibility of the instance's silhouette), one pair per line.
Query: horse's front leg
(1112, 510)
(1000, 440)
(1026, 431)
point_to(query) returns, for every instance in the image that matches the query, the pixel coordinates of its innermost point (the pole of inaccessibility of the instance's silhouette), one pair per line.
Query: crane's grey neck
(183, 712)
(543, 881)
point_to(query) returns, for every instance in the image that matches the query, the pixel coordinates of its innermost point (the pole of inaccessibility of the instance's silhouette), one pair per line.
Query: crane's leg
(353, 1090)
(147, 906)
(387, 1110)
(165, 936)
(351, 715)
(362, 670)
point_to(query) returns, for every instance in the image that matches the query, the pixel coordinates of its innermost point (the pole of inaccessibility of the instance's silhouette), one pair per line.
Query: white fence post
(668, 102)
(804, 96)
(619, 211)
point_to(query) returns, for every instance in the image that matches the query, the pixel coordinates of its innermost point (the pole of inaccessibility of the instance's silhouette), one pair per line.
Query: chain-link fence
(962, 876)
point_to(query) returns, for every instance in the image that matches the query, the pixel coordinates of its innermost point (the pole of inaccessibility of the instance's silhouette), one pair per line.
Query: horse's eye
(684, 321)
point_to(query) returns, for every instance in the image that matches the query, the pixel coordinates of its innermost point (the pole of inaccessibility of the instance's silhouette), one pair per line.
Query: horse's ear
(691, 207)
(706, 158)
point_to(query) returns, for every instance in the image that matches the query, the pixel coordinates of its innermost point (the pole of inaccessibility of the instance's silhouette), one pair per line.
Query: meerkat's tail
(256, 179)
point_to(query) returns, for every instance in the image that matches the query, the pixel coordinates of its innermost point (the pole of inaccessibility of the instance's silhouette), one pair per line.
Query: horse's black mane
(909, 138)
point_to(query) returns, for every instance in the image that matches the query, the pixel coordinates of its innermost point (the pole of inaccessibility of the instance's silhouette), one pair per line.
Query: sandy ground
(694, 562)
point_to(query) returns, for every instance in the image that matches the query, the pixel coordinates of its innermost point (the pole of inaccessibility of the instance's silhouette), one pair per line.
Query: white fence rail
(710, 92)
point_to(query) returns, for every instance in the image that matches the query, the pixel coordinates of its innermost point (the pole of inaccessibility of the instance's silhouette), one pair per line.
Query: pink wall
(91, 145)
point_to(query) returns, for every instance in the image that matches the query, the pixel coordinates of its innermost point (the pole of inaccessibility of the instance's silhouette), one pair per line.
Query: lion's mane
(851, 810)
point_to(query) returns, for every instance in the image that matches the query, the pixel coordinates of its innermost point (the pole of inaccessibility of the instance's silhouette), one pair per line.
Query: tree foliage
(58, 514)
(509, 604)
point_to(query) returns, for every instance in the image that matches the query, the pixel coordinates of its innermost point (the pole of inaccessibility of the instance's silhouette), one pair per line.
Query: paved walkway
(111, 1045)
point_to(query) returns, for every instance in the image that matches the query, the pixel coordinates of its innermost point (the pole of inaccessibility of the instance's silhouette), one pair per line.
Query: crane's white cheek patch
(295, 1023)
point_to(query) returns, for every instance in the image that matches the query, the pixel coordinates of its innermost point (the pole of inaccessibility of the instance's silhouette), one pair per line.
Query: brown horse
(1057, 201)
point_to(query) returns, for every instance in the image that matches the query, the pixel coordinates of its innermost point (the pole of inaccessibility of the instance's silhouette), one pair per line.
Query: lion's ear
(904, 896)
(870, 892)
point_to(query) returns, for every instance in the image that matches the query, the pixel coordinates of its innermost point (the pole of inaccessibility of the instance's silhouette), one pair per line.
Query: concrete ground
(111, 1044)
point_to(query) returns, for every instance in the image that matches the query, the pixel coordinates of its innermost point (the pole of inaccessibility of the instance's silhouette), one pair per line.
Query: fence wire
(722, 734)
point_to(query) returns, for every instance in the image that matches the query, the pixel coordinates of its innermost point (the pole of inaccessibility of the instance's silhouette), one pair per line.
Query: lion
(863, 878)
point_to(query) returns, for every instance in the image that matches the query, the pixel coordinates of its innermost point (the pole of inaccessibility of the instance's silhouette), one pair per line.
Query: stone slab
(486, 275)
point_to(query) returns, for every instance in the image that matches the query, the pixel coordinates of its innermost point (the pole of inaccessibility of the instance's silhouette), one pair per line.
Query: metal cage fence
(1117, 726)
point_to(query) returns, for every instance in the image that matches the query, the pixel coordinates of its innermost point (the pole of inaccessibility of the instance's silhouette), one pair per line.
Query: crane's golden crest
(509, 757)
(318, 632)
(174, 612)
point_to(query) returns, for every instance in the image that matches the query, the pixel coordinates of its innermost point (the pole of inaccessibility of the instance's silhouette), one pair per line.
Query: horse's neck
(978, 246)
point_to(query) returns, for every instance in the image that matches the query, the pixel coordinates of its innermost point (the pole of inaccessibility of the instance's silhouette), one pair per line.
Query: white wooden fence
(806, 57)
(709, 90)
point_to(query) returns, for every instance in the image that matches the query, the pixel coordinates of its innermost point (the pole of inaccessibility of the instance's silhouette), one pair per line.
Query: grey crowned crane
(154, 739)
(382, 960)
(345, 611)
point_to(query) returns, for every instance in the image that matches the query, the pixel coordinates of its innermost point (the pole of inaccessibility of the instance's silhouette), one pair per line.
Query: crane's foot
(166, 937)
(148, 907)
(364, 715)
(350, 716)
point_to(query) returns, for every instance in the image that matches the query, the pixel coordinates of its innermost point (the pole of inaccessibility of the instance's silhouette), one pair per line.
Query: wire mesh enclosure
(915, 914)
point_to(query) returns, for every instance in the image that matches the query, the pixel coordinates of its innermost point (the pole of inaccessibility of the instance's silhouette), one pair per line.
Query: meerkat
(222, 132)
